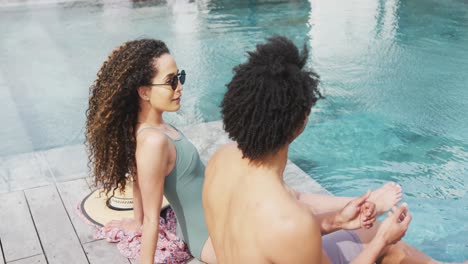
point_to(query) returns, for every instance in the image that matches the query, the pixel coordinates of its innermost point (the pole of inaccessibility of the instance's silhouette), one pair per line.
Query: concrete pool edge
(40, 168)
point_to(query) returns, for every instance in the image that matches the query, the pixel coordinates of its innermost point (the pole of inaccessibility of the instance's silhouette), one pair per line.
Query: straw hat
(100, 208)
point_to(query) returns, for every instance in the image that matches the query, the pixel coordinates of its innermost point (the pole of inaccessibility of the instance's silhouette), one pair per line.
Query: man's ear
(144, 92)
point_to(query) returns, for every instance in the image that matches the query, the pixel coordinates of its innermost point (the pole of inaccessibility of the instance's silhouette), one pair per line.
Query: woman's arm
(152, 158)
(137, 204)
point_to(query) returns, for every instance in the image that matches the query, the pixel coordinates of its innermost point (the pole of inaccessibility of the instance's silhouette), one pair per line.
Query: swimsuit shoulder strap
(155, 128)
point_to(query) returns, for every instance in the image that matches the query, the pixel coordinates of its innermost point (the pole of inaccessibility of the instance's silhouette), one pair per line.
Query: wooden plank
(2, 261)
(59, 240)
(17, 231)
(67, 163)
(39, 259)
(25, 171)
(72, 193)
(101, 251)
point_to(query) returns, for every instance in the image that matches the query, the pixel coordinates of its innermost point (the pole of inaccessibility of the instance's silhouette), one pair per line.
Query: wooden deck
(38, 219)
(40, 225)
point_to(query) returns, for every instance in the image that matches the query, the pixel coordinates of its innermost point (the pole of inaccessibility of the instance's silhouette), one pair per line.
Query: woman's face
(162, 96)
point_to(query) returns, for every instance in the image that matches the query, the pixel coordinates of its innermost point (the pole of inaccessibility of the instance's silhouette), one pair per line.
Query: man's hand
(358, 213)
(394, 227)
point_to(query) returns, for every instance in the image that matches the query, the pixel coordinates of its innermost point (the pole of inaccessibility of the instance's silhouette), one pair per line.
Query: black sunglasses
(174, 81)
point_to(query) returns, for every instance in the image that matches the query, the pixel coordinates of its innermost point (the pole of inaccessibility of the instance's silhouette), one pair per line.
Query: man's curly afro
(269, 98)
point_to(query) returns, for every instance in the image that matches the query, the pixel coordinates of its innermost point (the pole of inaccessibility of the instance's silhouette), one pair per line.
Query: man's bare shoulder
(292, 233)
(228, 148)
(225, 152)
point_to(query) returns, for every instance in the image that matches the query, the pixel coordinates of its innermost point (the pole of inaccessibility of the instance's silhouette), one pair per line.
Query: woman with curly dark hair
(126, 136)
(252, 216)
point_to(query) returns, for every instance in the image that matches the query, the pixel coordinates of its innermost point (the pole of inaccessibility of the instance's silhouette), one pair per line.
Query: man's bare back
(268, 209)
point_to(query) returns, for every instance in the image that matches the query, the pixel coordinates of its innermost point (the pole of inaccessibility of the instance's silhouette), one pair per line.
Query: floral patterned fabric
(169, 250)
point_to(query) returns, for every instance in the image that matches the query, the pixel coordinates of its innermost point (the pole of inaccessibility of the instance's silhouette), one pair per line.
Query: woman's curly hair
(113, 110)
(269, 98)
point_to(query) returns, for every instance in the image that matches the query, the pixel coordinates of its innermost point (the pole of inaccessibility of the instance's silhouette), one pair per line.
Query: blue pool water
(394, 73)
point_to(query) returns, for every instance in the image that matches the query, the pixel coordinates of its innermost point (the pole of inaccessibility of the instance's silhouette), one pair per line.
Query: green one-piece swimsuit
(183, 189)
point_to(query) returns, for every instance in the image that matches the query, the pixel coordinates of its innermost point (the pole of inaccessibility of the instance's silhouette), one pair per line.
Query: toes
(398, 186)
(389, 185)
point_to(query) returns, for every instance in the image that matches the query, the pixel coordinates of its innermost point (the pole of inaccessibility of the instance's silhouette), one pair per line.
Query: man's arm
(320, 203)
(356, 214)
(392, 229)
(301, 241)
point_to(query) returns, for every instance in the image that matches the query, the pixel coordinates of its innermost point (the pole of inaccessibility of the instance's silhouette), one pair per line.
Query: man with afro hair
(252, 216)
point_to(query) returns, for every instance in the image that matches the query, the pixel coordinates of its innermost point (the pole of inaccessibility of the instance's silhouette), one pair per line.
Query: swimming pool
(394, 73)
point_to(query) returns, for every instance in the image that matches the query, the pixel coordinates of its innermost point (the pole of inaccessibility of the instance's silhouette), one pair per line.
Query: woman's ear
(144, 92)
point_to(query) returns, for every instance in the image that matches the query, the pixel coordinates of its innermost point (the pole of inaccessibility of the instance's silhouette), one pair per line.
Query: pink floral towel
(169, 250)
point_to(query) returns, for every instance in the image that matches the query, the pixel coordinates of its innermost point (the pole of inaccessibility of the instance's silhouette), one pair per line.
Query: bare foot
(126, 224)
(386, 197)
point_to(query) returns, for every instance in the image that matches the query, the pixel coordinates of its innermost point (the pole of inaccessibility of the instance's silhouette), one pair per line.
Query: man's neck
(273, 164)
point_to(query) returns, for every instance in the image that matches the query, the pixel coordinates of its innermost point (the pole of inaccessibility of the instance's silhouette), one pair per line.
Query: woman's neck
(151, 117)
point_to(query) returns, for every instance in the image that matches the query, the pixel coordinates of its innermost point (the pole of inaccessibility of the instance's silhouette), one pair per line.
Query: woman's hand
(128, 225)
